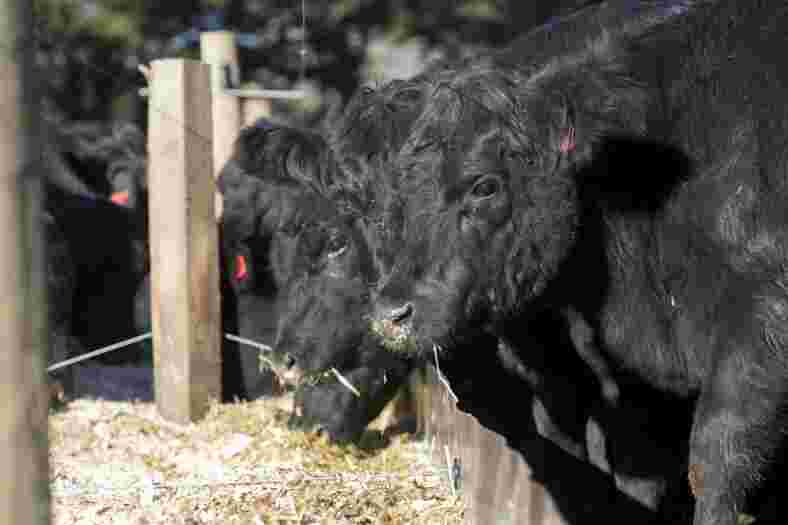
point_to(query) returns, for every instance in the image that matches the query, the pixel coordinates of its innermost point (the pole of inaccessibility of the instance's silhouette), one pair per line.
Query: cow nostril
(401, 314)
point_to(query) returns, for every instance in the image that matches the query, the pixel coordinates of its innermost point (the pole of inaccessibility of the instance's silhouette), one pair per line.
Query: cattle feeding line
(143, 337)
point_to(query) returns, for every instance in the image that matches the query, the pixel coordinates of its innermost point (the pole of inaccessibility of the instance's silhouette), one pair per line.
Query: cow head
(324, 302)
(490, 178)
(338, 258)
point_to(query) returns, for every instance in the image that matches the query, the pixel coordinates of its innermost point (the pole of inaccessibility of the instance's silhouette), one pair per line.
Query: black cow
(634, 188)
(324, 335)
(101, 240)
(281, 193)
(81, 147)
(60, 287)
(341, 253)
(106, 243)
(91, 272)
(125, 152)
(323, 324)
(376, 124)
(269, 193)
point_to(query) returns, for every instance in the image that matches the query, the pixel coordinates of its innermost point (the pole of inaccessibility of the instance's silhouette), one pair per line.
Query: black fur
(662, 224)
(282, 191)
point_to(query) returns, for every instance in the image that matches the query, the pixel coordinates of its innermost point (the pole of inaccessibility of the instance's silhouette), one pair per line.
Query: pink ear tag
(241, 270)
(121, 198)
(568, 140)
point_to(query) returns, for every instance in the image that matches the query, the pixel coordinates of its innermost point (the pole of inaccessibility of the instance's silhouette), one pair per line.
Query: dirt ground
(116, 461)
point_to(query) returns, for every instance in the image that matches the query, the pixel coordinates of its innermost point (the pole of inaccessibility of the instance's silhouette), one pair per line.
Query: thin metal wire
(288, 94)
(103, 350)
(266, 93)
(248, 342)
(302, 73)
(347, 384)
(143, 337)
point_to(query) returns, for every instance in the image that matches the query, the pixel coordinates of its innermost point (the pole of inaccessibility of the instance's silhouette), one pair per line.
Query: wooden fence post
(185, 299)
(218, 49)
(24, 483)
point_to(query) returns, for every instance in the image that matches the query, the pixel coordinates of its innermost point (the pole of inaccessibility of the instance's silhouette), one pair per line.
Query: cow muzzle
(394, 326)
(287, 370)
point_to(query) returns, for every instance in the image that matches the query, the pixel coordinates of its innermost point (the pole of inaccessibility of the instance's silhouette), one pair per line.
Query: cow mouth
(285, 368)
(294, 376)
(395, 337)
(286, 376)
(329, 376)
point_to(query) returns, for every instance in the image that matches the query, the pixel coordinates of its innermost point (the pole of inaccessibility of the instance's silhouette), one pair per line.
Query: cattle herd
(588, 229)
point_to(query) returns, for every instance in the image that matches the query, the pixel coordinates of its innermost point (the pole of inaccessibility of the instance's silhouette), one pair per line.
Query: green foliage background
(88, 50)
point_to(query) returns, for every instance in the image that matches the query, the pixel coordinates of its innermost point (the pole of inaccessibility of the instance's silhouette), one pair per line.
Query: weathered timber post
(185, 301)
(219, 51)
(24, 483)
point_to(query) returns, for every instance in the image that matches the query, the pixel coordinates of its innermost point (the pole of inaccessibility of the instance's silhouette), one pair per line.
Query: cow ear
(300, 162)
(588, 97)
(309, 160)
(239, 194)
(272, 171)
(567, 133)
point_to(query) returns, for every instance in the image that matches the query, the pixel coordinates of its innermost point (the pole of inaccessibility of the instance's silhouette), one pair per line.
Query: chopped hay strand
(342, 379)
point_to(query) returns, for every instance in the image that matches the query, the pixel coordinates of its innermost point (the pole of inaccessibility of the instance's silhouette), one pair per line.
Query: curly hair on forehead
(375, 125)
(467, 104)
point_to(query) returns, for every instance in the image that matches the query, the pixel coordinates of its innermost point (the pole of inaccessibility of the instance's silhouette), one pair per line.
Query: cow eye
(487, 187)
(336, 246)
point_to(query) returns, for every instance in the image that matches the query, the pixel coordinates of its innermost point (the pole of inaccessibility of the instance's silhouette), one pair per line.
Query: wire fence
(139, 338)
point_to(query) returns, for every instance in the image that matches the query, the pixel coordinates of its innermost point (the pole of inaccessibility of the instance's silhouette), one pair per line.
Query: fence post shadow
(511, 474)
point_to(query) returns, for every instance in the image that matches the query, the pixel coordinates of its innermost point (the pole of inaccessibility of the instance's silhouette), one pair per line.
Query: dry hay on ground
(119, 462)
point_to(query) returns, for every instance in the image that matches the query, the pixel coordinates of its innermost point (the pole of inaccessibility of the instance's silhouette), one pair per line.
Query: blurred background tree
(89, 50)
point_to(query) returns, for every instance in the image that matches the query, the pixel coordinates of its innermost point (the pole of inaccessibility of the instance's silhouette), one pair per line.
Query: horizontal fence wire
(138, 339)
(100, 351)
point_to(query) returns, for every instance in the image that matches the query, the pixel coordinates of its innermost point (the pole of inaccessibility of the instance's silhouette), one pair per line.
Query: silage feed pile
(118, 462)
